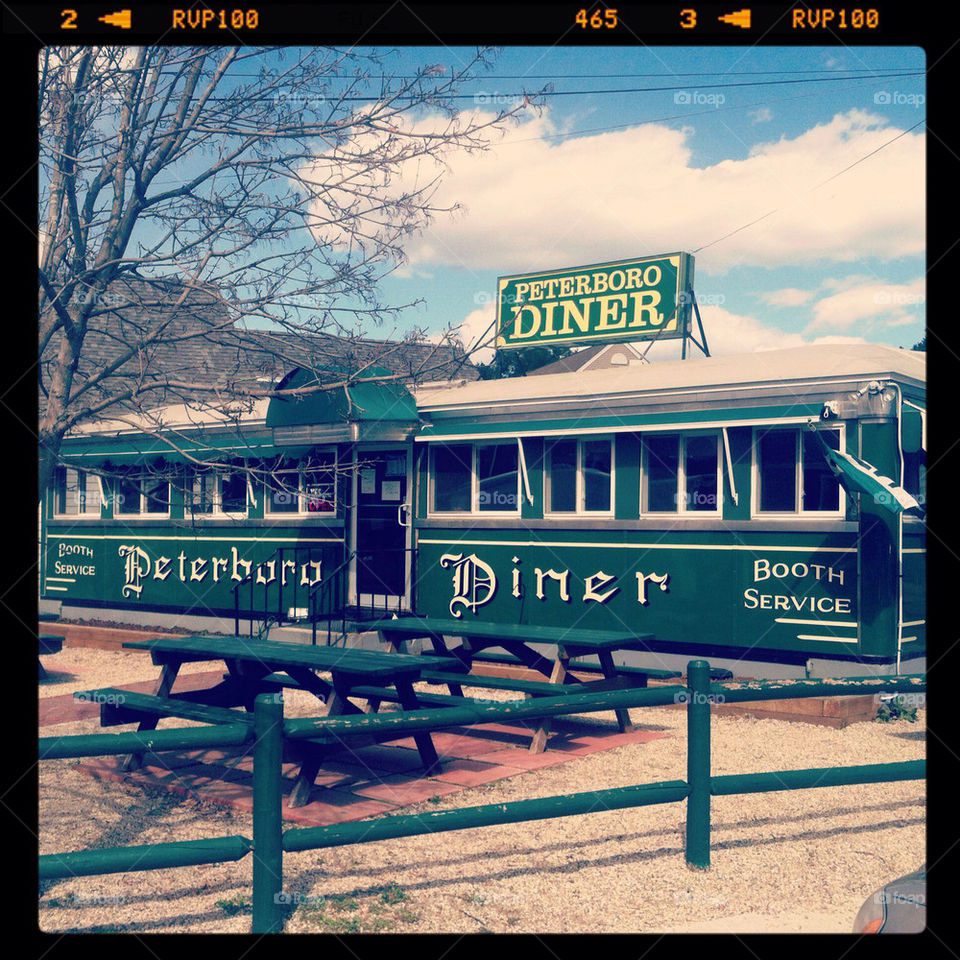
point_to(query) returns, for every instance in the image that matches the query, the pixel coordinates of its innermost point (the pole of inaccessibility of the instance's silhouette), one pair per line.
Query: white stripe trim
(50, 587)
(819, 623)
(135, 535)
(811, 636)
(913, 623)
(61, 579)
(634, 546)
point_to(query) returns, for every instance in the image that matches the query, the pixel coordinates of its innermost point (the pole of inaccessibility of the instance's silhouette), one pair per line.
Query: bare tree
(228, 201)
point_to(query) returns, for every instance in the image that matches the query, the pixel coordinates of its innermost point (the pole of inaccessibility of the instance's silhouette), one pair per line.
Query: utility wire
(834, 176)
(608, 92)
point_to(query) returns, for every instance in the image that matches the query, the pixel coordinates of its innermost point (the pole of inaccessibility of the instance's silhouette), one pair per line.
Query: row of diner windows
(680, 474)
(302, 490)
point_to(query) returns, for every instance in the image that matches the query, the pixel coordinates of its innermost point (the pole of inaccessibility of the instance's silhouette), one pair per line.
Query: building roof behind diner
(201, 345)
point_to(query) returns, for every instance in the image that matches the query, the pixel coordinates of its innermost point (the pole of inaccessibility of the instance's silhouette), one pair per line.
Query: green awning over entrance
(366, 410)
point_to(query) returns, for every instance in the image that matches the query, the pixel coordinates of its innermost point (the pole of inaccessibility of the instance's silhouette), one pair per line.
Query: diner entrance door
(383, 529)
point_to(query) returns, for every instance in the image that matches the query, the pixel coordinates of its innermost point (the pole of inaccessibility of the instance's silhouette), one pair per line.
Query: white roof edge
(174, 416)
(794, 364)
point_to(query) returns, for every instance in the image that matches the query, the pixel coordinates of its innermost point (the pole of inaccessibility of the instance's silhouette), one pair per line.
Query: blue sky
(828, 167)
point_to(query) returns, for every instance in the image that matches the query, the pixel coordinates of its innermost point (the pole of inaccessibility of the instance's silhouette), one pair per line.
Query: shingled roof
(180, 341)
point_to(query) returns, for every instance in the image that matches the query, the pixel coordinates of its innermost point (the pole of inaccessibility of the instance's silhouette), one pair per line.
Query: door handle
(402, 510)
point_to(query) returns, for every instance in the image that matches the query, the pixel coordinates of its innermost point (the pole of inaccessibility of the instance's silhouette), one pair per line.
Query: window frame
(474, 510)
(680, 498)
(216, 511)
(300, 469)
(798, 512)
(580, 487)
(138, 476)
(89, 512)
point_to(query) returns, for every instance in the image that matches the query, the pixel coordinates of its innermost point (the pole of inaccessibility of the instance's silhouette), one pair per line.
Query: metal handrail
(279, 615)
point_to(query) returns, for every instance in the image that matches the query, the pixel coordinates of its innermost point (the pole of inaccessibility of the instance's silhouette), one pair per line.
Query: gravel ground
(792, 861)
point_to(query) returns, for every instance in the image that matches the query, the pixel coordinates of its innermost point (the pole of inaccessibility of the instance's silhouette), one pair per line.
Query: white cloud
(530, 203)
(786, 297)
(891, 304)
(761, 114)
(476, 328)
(736, 333)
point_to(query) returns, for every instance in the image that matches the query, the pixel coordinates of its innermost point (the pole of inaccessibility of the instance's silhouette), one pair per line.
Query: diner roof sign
(642, 299)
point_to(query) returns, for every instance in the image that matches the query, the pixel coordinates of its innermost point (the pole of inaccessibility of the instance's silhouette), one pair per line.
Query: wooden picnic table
(516, 639)
(47, 643)
(267, 666)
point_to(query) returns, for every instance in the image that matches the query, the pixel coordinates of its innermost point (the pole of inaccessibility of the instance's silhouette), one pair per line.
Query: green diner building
(763, 508)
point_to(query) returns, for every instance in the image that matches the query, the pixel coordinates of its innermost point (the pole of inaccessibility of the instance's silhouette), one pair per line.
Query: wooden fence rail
(269, 730)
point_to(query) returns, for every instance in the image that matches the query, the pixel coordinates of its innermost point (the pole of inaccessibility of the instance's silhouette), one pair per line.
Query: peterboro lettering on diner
(627, 300)
(139, 567)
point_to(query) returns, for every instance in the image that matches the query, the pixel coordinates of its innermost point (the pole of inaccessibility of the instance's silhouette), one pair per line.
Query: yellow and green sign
(626, 300)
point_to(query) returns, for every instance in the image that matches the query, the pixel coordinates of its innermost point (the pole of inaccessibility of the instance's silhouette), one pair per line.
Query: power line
(711, 111)
(608, 92)
(834, 176)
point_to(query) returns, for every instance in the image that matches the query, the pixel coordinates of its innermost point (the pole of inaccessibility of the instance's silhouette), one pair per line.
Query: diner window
(219, 493)
(140, 493)
(915, 475)
(792, 473)
(309, 489)
(579, 476)
(452, 473)
(76, 493)
(475, 478)
(681, 473)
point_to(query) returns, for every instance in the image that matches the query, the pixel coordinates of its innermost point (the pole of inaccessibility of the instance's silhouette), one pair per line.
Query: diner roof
(812, 364)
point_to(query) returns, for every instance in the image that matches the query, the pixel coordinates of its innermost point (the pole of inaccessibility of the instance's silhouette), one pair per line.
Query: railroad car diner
(765, 506)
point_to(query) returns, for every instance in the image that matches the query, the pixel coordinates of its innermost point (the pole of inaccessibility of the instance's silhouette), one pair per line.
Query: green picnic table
(516, 639)
(47, 643)
(267, 666)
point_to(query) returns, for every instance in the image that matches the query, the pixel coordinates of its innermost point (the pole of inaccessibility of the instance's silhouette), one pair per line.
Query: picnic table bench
(47, 643)
(516, 639)
(267, 666)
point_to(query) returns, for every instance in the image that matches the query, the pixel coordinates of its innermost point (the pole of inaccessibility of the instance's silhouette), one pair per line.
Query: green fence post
(698, 764)
(267, 820)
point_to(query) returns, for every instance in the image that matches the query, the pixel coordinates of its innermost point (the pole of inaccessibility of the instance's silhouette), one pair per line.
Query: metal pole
(267, 820)
(698, 765)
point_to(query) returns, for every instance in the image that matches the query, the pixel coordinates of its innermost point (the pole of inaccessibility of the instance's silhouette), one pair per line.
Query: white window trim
(89, 513)
(474, 510)
(302, 497)
(216, 511)
(756, 513)
(580, 488)
(681, 502)
(142, 513)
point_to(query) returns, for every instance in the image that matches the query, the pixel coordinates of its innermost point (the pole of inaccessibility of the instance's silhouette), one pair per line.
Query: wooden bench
(517, 639)
(119, 706)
